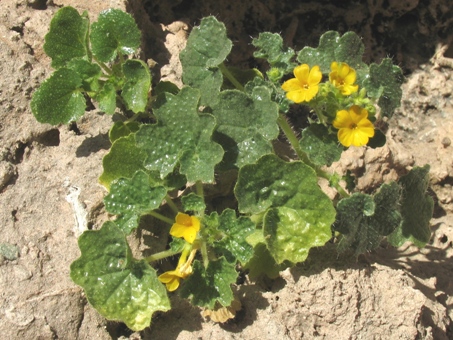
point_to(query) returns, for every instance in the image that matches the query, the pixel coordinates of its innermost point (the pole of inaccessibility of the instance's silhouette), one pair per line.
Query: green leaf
(114, 32)
(180, 135)
(290, 233)
(270, 47)
(123, 160)
(193, 202)
(273, 183)
(59, 100)
(67, 37)
(118, 286)
(416, 209)
(131, 198)
(107, 98)
(121, 129)
(378, 140)
(263, 263)
(207, 286)
(137, 85)
(321, 146)
(89, 73)
(246, 125)
(384, 84)
(347, 48)
(364, 220)
(233, 244)
(206, 48)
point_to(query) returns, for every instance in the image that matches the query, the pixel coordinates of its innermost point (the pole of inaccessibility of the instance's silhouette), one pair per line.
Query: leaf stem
(171, 204)
(161, 255)
(160, 217)
(292, 138)
(230, 77)
(204, 254)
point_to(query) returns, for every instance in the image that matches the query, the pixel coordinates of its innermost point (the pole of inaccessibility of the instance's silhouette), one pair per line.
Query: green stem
(230, 77)
(160, 217)
(292, 138)
(161, 255)
(171, 204)
(199, 189)
(204, 253)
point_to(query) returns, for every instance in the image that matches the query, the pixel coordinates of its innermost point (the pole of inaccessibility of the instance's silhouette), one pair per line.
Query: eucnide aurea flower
(354, 127)
(343, 77)
(186, 227)
(304, 87)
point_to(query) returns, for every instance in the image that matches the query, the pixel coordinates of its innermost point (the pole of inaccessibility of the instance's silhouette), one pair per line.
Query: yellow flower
(343, 76)
(171, 279)
(186, 226)
(354, 126)
(183, 270)
(304, 87)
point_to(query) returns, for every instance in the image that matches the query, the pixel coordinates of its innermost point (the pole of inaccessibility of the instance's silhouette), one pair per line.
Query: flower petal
(346, 137)
(358, 114)
(342, 120)
(297, 96)
(302, 72)
(350, 78)
(314, 77)
(291, 85)
(183, 219)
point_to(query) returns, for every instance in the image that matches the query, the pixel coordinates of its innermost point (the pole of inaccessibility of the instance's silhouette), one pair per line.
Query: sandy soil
(48, 174)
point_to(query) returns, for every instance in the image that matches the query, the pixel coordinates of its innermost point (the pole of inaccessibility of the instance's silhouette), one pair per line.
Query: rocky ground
(48, 179)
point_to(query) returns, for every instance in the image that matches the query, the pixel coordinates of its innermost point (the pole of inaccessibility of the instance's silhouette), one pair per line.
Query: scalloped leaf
(233, 244)
(321, 146)
(118, 286)
(123, 160)
(207, 286)
(114, 32)
(347, 48)
(180, 135)
(67, 37)
(273, 183)
(137, 85)
(89, 73)
(246, 125)
(59, 99)
(206, 48)
(132, 198)
(270, 47)
(384, 84)
(106, 97)
(416, 208)
(122, 129)
(290, 233)
(263, 263)
(193, 202)
(364, 220)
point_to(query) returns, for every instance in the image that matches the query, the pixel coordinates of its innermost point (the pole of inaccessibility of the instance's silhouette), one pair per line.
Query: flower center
(306, 86)
(353, 126)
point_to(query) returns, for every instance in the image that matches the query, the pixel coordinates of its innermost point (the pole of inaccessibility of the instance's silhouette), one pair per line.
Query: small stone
(446, 142)
(9, 251)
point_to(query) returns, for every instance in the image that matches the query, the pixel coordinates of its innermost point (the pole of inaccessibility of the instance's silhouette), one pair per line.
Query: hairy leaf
(131, 198)
(364, 220)
(290, 233)
(263, 263)
(321, 146)
(246, 125)
(180, 135)
(193, 202)
(123, 160)
(88, 72)
(384, 84)
(273, 183)
(121, 129)
(137, 85)
(107, 98)
(347, 48)
(67, 37)
(416, 208)
(270, 47)
(207, 286)
(233, 244)
(114, 32)
(207, 47)
(118, 286)
(59, 99)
